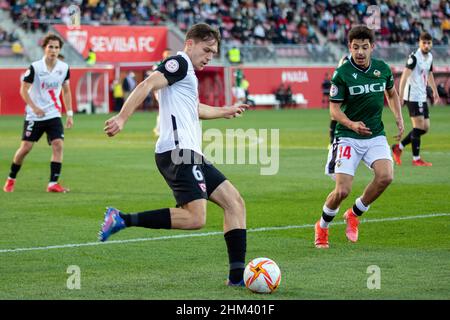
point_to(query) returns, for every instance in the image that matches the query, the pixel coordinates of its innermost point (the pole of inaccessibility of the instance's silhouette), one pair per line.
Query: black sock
(357, 211)
(407, 139)
(55, 171)
(415, 141)
(327, 217)
(14, 170)
(153, 219)
(236, 241)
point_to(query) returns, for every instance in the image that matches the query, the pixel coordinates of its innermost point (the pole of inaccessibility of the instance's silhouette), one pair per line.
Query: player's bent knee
(385, 180)
(57, 145)
(198, 222)
(342, 192)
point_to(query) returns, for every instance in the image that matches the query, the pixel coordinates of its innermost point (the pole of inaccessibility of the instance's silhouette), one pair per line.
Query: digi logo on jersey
(374, 87)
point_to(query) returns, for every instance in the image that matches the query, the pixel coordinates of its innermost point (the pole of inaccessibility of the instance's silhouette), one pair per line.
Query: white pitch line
(214, 233)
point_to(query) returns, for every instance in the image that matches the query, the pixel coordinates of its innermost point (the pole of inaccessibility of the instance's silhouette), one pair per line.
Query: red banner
(117, 43)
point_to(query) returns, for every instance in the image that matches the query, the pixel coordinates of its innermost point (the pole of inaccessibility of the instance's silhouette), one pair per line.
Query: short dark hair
(52, 37)
(425, 36)
(203, 32)
(361, 32)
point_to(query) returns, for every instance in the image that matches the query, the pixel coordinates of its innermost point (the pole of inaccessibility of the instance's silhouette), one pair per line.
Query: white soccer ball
(262, 275)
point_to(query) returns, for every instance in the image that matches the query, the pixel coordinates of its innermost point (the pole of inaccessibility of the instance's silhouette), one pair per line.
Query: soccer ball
(262, 275)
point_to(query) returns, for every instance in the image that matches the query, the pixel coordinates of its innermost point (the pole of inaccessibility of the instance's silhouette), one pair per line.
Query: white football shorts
(345, 154)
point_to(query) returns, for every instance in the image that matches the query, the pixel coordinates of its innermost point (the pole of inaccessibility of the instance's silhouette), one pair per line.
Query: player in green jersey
(356, 103)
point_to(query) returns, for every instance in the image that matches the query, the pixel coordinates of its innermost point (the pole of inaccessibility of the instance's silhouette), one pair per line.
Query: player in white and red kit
(41, 88)
(417, 74)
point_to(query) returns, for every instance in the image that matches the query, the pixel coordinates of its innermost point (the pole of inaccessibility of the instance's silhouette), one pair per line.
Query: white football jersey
(416, 84)
(178, 106)
(46, 88)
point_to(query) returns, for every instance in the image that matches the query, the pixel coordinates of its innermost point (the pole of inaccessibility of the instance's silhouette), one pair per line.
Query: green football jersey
(362, 95)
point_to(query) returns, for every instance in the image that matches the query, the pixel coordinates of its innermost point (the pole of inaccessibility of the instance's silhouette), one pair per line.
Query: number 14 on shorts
(345, 152)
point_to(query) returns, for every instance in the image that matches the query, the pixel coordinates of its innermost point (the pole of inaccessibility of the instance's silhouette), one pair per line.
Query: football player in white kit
(41, 88)
(178, 153)
(417, 74)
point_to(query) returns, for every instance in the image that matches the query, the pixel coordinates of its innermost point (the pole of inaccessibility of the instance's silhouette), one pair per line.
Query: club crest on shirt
(333, 90)
(377, 73)
(172, 65)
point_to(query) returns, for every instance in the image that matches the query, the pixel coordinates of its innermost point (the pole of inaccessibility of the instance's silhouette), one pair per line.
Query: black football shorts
(418, 109)
(33, 130)
(188, 174)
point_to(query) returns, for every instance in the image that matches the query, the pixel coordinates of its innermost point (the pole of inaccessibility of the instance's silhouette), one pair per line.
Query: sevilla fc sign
(117, 43)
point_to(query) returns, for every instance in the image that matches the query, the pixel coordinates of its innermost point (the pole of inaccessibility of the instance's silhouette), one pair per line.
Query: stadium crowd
(251, 21)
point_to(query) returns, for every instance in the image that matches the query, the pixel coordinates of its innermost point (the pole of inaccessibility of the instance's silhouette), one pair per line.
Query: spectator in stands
(91, 58)
(238, 76)
(245, 84)
(3, 35)
(326, 85)
(238, 94)
(289, 99)
(234, 55)
(17, 48)
(118, 95)
(128, 84)
(251, 22)
(280, 95)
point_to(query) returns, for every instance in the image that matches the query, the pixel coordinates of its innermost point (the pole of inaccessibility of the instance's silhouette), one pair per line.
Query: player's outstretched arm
(154, 82)
(396, 108)
(67, 97)
(206, 112)
(358, 126)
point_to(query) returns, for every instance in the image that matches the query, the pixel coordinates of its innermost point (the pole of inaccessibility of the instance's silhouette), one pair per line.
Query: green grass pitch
(413, 254)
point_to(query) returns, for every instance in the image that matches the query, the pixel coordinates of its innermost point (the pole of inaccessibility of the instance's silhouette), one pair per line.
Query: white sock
(361, 206)
(401, 146)
(329, 212)
(51, 184)
(415, 158)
